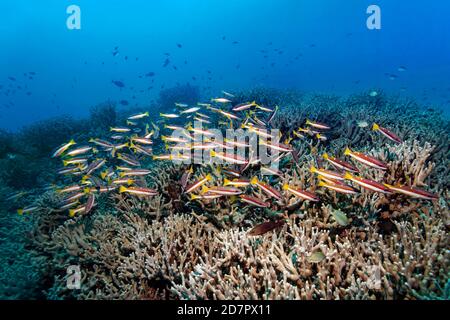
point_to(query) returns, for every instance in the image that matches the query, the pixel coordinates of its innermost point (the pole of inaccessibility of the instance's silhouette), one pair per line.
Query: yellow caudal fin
(348, 176)
(205, 189)
(254, 180)
(375, 127)
(86, 190)
(321, 183)
(130, 182)
(146, 114)
(308, 122)
(20, 211)
(102, 175)
(226, 182)
(347, 151)
(194, 196)
(313, 169)
(72, 213)
(208, 177)
(122, 189)
(122, 174)
(212, 153)
(233, 199)
(325, 156)
(285, 186)
(72, 141)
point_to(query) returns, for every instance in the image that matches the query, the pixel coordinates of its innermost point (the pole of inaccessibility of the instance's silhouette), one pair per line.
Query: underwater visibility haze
(188, 149)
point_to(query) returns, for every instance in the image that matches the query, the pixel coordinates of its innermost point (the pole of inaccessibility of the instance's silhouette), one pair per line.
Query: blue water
(321, 46)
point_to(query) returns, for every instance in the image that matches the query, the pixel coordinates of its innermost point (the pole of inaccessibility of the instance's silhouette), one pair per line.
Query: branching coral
(363, 246)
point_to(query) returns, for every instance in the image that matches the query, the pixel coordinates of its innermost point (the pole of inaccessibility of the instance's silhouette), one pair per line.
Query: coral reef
(362, 246)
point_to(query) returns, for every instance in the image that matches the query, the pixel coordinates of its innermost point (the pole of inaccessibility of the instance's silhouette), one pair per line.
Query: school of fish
(115, 164)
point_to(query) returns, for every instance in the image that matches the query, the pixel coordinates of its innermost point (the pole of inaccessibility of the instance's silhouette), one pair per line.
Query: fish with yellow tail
(340, 188)
(269, 190)
(223, 191)
(365, 159)
(340, 164)
(140, 192)
(163, 157)
(205, 196)
(387, 133)
(63, 148)
(254, 201)
(169, 115)
(368, 184)
(235, 159)
(306, 195)
(123, 181)
(27, 210)
(244, 106)
(198, 184)
(317, 125)
(240, 183)
(327, 173)
(412, 192)
(133, 173)
(221, 100)
(73, 212)
(119, 129)
(138, 116)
